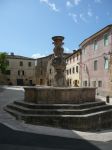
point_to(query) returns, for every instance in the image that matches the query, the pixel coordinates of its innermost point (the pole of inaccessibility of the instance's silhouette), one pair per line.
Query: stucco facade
(73, 69)
(20, 71)
(96, 63)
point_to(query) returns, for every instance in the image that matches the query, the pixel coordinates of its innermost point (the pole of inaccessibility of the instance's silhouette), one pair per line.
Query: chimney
(74, 51)
(12, 54)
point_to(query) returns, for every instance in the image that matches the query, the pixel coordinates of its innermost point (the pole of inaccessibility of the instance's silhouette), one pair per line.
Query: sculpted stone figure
(58, 49)
(59, 62)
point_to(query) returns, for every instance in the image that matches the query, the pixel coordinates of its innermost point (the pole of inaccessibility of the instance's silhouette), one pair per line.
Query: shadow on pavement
(11, 137)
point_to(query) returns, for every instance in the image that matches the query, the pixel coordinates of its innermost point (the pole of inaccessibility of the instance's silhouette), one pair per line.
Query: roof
(49, 56)
(74, 52)
(96, 34)
(19, 57)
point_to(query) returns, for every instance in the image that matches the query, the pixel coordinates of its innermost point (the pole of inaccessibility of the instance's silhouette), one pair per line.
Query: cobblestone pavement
(8, 94)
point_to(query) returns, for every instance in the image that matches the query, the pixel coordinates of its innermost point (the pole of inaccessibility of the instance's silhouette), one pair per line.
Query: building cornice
(74, 52)
(95, 35)
(19, 57)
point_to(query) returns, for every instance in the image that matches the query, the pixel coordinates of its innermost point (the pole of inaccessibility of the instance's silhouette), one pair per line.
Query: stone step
(102, 119)
(59, 106)
(59, 111)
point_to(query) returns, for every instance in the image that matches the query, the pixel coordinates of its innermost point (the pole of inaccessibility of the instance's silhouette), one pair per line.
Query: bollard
(107, 99)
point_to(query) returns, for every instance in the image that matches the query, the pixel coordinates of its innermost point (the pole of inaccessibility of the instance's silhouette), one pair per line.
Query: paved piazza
(8, 94)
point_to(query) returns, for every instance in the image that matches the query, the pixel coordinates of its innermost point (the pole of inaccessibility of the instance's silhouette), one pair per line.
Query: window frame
(95, 65)
(95, 44)
(104, 40)
(29, 64)
(99, 83)
(106, 59)
(21, 63)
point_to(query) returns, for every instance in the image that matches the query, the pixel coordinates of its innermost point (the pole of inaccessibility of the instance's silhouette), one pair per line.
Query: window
(106, 40)
(94, 83)
(41, 62)
(85, 83)
(85, 67)
(41, 72)
(67, 72)
(8, 72)
(50, 71)
(7, 62)
(73, 58)
(77, 56)
(19, 72)
(95, 65)
(21, 63)
(70, 81)
(77, 69)
(76, 82)
(70, 60)
(23, 73)
(67, 61)
(29, 64)
(42, 81)
(73, 70)
(95, 45)
(106, 63)
(99, 83)
(70, 70)
(84, 51)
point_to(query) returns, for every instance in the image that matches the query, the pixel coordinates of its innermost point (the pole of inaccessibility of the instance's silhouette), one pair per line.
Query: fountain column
(59, 62)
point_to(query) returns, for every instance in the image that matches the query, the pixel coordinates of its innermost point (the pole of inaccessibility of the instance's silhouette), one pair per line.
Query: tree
(3, 62)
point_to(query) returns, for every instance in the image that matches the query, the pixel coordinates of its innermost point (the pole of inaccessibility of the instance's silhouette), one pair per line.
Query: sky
(27, 26)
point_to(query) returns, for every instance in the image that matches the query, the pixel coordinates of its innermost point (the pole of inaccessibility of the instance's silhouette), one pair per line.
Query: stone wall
(56, 95)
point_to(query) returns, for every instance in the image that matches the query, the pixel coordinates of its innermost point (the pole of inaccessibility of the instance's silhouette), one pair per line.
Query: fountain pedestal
(59, 62)
(59, 95)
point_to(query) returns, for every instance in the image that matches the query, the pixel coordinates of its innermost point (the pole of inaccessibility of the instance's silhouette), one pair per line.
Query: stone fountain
(59, 105)
(59, 93)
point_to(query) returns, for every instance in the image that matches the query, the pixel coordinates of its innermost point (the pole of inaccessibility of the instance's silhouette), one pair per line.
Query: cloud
(52, 6)
(37, 56)
(82, 17)
(98, 1)
(67, 50)
(74, 16)
(97, 18)
(76, 2)
(69, 4)
(90, 14)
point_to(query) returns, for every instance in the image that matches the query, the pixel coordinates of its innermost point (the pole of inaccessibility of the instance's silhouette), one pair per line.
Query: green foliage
(3, 62)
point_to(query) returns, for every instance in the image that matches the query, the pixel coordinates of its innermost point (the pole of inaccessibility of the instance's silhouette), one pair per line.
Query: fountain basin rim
(60, 88)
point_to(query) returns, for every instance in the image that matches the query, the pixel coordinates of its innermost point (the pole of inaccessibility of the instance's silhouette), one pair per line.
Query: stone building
(42, 69)
(45, 71)
(73, 69)
(96, 65)
(20, 71)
